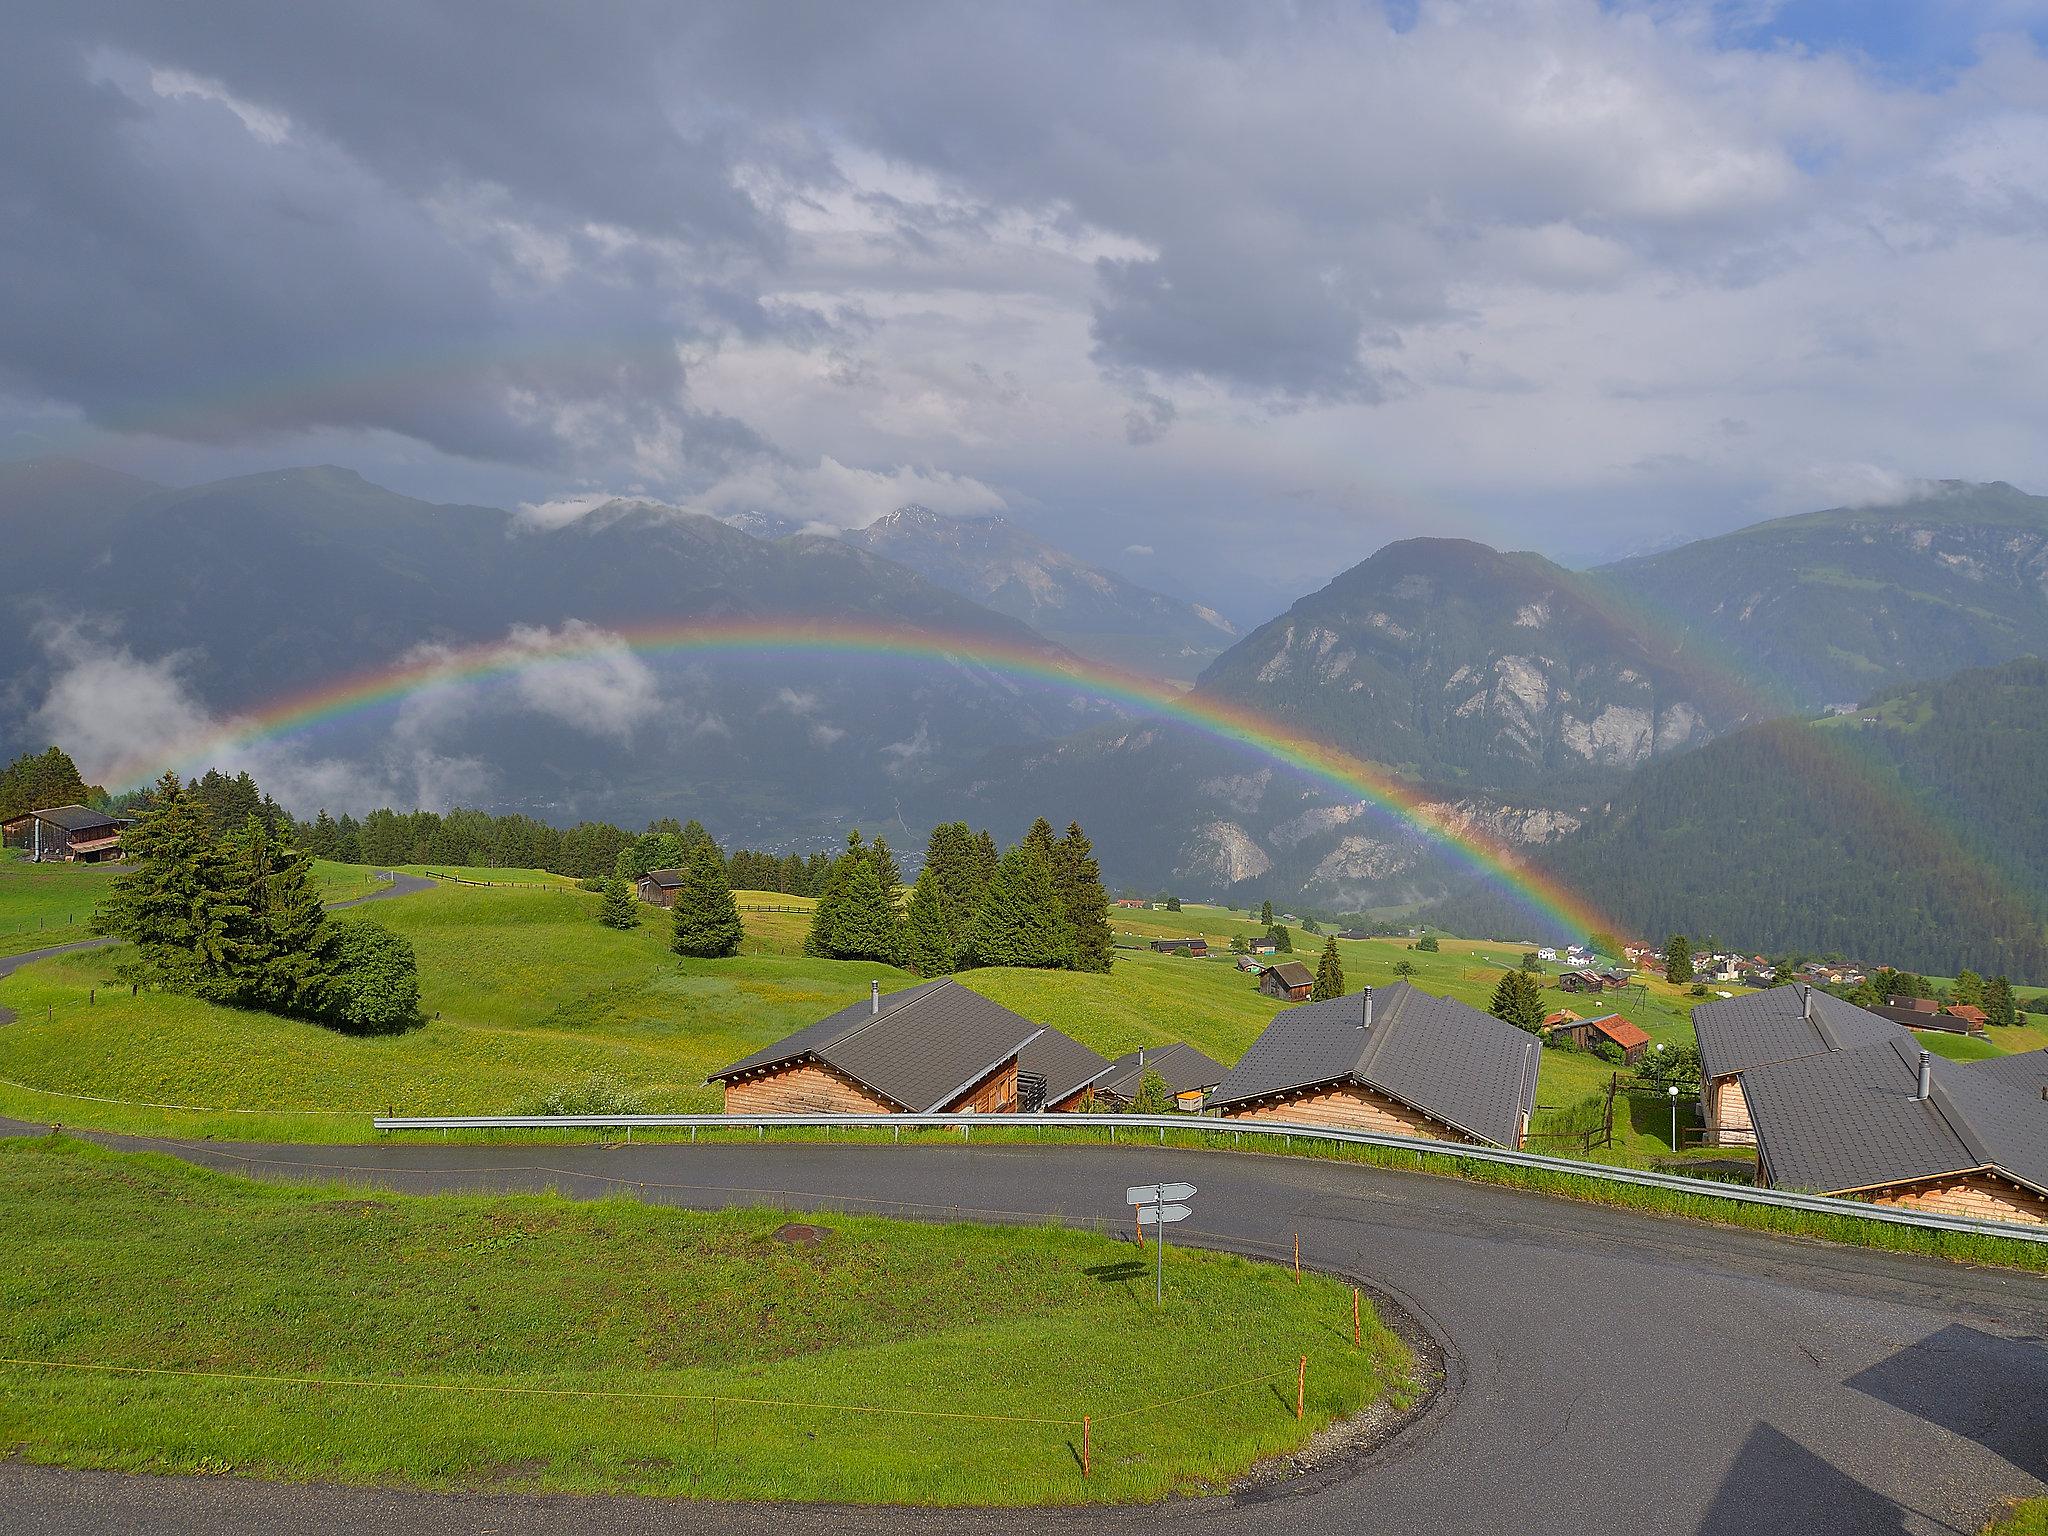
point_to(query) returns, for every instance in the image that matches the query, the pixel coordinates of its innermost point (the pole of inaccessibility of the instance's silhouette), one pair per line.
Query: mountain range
(1553, 709)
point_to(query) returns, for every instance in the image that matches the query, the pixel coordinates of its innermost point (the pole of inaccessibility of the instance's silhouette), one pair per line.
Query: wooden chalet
(1739, 1034)
(1894, 1124)
(1056, 1072)
(1196, 947)
(1396, 1060)
(1189, 1075)
(67, 834)
(660, 886)
(1581, 981)
(1926, 1013)
(1290, 981)
(936, 1048)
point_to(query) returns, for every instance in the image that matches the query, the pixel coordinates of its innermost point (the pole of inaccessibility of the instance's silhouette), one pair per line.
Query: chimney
(1806, 1003)
(1366, 999)
(875, 997)
(1926, 1084)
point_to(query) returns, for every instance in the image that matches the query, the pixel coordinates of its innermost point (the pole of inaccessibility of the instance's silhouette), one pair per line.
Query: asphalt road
(1605, 1372)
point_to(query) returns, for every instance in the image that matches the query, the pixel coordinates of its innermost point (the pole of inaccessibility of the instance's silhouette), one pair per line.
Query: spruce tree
(985, 860)
(1021, 921)
(950, 856)
(693, 836)
(170, 902)
(929, 947)
(864, 923)
(887, 875)
(1278, 936)
(1173, 903)
(707, 923)
(1079, 879)
(1998, 1004)
(1678, 959)
(1517, 1001)
(1266, 913)
(1329, 975)
(279, 926)
(1969, 988)
(620, 908)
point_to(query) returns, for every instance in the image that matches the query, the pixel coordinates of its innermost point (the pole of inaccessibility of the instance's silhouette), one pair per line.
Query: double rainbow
(1219, 719)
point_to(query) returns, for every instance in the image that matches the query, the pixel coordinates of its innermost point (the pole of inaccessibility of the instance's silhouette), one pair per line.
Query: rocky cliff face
(1476, 667)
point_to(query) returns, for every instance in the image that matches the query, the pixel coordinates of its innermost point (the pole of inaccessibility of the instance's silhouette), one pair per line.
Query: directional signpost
(1158, 1206)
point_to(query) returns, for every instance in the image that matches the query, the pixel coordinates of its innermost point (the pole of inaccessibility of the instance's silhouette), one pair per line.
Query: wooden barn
(1396, 1060)
(660, 886)
(1610, 1027)
(1197, 947)
(1290, 981)
(936, 1048)
(66, 833)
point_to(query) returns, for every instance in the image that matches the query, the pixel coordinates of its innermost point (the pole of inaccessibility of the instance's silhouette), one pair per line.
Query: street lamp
(1673, 1091)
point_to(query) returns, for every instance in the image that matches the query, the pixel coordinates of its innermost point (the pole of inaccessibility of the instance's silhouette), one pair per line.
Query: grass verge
(536, 1343)
(2026, 1517)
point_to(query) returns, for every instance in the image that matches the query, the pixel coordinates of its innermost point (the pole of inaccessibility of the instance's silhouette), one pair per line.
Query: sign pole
(1159, 1270)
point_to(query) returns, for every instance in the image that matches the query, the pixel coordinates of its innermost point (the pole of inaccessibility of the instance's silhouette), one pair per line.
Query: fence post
(1301, 1389)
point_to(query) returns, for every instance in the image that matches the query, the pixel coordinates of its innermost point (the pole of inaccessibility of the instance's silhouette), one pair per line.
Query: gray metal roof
(1065, 1063)
(1445, 1058)
(1185, 1069)
(925, 1046)
(1293, 973)
(1783, 1024)
(664, 877)
(77, 818)
(1847, 1120)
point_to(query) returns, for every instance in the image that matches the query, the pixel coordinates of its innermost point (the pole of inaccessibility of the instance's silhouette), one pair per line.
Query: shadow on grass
(1120, 1269)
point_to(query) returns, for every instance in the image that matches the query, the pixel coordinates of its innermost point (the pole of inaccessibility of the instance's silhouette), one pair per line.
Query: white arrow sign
(1155, 1194)
(1148, 1214)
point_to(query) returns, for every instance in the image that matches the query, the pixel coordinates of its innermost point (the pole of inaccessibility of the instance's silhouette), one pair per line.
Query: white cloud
(903, 756)
(584, 677)
(833, 495)
(826, 734)
(1141, 550)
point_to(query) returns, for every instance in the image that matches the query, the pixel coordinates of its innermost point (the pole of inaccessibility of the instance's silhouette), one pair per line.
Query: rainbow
(1219, 719)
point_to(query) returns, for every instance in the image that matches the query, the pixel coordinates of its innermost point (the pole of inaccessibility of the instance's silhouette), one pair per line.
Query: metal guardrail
(1284, 1131)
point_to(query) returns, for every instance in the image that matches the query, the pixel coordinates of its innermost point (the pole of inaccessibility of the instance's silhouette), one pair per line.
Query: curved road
(1606, 1372)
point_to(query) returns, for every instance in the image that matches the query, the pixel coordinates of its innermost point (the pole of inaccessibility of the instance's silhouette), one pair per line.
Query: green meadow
(532, 1343)
(528, 999)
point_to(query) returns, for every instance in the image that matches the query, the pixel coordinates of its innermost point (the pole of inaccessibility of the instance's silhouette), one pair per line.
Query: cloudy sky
(1222, 295)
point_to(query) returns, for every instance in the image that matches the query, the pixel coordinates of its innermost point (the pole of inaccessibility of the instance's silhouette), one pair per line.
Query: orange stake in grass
(1357, 1338)
(1084, 1445)
(1301, 1388)
(1297, 1255)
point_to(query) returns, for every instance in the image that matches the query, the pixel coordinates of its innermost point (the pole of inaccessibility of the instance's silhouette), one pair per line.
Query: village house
(1196, 948)
(1189, 1075)
(1057, 1072)
(1249, 963)
(1578, 957)
(1290, 981)
(1894, 1124)
(1134, 901)
(1625, 1036)
(1396, 1060)
(1353, 933)
(929, 1049)
(1582, 981)
(66, 833)
(1739, 1034)
(1264, 947)
(660, 886)
(1546, 953)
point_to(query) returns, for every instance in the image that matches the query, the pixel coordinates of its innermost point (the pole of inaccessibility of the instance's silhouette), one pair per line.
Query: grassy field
(2027, 1517)
(528, 997)
(44, 904)
(482, 1303)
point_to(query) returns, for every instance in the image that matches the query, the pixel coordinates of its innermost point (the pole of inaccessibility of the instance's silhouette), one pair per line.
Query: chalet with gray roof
(929, 1049)
(66, 833)
(1057, 1072)
(1789, 1023)
(1897, 1125)
(660, 886)
(1189, 1075)
(1393, 1059)
(1290, 981)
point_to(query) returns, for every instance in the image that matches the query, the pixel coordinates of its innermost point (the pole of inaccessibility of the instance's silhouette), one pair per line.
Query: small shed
(1290, 981)
(65, 833)
(1196, 947)
(1611, 1027)
(660, 886)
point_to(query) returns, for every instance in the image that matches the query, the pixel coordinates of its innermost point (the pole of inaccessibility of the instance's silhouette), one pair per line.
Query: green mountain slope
(1913, 833)
(1831, 606)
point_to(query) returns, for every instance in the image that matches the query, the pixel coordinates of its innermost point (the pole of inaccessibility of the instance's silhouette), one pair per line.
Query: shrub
(598, 1094)
(371, 984)
(1608, 1052)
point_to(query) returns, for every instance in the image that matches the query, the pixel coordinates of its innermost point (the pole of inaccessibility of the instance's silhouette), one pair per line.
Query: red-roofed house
(1612, 1027)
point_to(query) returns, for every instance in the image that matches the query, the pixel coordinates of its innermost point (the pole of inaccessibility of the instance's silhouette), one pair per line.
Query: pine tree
(929, 947)
(1970, 988)
(1079, 880)
(1021, 921)
(1678, 959)
(985, 860)
(1998, 1003)
(277, 925)
(707, 923)
(170, 902)
(693, 836)
(951, 857)
(865, 925)
(1278, 936)
(1266, 913)
(1329, 975)
(1173, 903)
(887, 875)
(620, 908)
(1517, 1001)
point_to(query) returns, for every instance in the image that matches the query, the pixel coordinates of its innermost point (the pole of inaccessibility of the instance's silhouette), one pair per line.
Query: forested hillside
(1912, 833)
